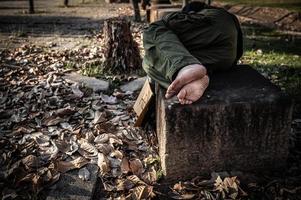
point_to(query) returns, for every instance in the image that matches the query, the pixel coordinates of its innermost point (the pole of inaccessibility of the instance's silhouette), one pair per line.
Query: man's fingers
(181, 95)
(171, 89)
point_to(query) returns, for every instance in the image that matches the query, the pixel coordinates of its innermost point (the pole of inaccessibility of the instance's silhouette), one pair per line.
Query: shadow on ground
(41, 25)
(277, 55)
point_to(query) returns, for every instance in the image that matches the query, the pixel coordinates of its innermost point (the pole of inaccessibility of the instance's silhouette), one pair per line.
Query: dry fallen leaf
(87, 149)
(125, 166)
(142, 192)
(108, 186)
(99, 117)
(116, 154)
(64, 166)
(62, 146)
(53, 120)
(136, 167)
(103, 163)
(136, 180)
(62, 112)
(104, 148)
(150, 176)
(124, 184)
(103, 138)
(175, 195)
(31, 161)
(229, 187)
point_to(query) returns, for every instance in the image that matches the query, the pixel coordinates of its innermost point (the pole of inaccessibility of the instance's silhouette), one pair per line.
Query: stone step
(241, 123)
(70, 186)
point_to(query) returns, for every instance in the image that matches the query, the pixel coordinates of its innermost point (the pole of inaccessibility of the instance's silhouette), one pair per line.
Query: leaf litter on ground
(50, 125)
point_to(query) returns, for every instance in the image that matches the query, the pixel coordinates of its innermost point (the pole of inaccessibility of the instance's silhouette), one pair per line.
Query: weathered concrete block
(160, 10)
(70, 186)
(241, 123)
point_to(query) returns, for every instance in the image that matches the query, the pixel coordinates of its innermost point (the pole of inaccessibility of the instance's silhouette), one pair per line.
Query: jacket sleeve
(172, 53)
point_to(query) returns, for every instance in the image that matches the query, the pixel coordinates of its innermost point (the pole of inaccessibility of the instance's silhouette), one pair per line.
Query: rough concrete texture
(70, 186)
(241, 123)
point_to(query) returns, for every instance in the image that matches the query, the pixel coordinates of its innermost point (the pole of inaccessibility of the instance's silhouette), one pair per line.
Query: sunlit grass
(281, 68)
(271, 59)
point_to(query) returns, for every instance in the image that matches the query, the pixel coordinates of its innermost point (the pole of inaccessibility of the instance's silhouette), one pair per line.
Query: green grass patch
(96, 69)
(276, 55)
(271, 59)
(282, 69)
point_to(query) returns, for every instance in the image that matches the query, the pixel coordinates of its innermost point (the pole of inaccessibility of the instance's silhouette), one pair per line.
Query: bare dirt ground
(53, 24)
(60, 27)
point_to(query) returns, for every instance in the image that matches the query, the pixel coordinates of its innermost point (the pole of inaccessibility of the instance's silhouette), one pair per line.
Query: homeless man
(184, 47)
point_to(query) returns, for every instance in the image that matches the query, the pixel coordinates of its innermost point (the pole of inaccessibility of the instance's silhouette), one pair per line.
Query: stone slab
(70, 186)
(134, 85)
(96, 84)
(151, 12)
(163, 6)
(241, 123)
(157, 13)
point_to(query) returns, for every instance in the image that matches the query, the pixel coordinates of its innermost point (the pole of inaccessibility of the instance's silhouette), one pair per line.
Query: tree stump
(121, 52)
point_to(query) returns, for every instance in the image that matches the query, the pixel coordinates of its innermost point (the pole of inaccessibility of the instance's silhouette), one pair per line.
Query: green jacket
(211, 37)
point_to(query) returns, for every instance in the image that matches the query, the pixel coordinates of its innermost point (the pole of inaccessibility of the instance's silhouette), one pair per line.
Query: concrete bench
(157, 11)
(242, 123)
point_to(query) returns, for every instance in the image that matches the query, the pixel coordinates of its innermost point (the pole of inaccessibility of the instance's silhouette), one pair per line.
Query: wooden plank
(142, 103)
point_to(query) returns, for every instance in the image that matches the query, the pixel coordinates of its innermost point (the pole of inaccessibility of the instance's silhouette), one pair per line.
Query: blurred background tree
(66, 3)
(31, 7)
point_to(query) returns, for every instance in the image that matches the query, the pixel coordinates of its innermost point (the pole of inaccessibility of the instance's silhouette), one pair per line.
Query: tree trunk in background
(31, 7)
(121, 52)
(136, 10)
(66, 3)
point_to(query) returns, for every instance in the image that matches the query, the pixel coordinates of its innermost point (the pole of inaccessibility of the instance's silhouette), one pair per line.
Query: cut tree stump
(242, 123)
(121, 52)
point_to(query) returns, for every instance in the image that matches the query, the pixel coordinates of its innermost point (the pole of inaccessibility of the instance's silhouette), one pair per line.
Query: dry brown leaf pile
(49, 126)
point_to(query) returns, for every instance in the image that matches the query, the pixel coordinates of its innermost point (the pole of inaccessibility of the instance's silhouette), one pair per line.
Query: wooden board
(142, 103)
